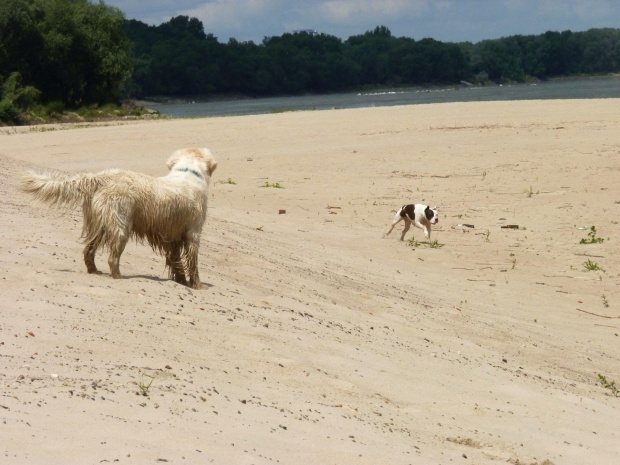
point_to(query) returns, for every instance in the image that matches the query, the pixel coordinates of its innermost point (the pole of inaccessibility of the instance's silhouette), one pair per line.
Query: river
(583, 88)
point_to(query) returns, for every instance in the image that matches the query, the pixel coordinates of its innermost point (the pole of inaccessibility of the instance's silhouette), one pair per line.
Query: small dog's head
(432, 215)
(200, 159)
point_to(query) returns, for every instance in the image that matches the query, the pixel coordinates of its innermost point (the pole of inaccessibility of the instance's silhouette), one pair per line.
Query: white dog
(422, 216)
(168, 212)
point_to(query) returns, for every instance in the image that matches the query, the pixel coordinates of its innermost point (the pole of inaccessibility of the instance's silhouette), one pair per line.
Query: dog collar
(188, 170)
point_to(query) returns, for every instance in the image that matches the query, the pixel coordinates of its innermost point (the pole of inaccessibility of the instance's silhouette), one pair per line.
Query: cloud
(236, 18)
(446, 20)
(363, 11)
(154, 11)
(252, 19)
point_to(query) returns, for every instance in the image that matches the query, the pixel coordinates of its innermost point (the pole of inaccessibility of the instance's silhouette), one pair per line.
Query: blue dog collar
(194, 172)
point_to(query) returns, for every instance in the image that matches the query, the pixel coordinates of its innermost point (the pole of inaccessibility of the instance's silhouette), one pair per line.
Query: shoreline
(148, 107)
(162, 100)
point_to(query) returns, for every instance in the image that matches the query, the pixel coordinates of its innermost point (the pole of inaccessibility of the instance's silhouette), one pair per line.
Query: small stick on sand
(596, 314)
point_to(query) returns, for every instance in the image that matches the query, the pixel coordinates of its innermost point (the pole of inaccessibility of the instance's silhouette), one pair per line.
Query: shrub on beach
(8, 111)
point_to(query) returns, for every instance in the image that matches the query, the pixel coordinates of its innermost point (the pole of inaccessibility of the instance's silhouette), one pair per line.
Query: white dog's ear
(173, 160)
(211, 165)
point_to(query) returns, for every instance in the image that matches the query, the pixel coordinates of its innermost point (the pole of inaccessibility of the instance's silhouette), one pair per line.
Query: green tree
(74, 51)
(601, 50)
(500, 59)
(21, 40)
(86, 52)
(371, 51)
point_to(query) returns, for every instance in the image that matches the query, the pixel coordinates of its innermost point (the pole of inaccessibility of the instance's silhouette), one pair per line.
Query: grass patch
(592, 239)
(592, 266)
(605, 301)
(611, 385)
(413, 243)
(275, 185)
(431, 244)
(144, 388)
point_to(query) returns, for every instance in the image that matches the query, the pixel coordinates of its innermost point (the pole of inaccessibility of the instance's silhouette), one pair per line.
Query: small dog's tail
(62, 191)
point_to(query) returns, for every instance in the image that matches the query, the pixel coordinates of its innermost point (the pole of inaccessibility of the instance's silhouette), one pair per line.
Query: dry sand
(317, 341)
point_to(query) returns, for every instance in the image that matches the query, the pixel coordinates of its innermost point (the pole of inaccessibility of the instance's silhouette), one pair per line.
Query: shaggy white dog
(168, 212)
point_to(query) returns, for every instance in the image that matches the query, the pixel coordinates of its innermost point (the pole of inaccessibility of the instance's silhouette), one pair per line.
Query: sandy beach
(317, 341)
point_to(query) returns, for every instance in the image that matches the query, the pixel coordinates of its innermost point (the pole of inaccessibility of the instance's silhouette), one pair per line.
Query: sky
(443, 20)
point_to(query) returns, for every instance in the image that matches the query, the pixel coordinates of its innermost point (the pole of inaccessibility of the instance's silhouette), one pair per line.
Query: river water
(587, 88)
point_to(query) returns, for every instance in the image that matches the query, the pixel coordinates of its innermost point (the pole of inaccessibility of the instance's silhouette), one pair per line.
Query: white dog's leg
(119, 231)
(90, 251)
(93, 239)
(192, 245)
(116, 251)
(175, 263)
(407, 226)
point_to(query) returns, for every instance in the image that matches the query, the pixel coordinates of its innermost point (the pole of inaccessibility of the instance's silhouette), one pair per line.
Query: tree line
(178, 58)
(72, 53)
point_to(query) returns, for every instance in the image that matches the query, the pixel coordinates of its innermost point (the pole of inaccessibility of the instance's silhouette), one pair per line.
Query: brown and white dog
(422, 216)
(167, 212)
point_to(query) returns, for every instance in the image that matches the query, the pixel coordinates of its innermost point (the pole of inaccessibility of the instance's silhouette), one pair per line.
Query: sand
(317, 341)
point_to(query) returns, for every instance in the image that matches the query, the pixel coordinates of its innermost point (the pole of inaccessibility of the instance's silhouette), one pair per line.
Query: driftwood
(596, 314)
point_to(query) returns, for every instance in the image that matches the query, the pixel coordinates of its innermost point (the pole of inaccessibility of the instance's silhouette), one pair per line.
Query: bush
(8, 111)
(54, 108)
(22, 96)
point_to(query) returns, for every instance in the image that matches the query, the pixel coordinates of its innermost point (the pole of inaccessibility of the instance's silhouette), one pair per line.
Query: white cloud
(447, 20)
(236, 17)
(363, 11)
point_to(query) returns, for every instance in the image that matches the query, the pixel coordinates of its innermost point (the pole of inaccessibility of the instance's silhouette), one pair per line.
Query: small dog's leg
(427, 231)
(395, 221)
(407, 226)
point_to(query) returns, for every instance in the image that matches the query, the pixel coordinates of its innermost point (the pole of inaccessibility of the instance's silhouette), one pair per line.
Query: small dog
(422, 216)
(168, 212)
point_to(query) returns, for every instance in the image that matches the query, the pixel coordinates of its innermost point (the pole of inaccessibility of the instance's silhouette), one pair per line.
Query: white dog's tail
(60, 190)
